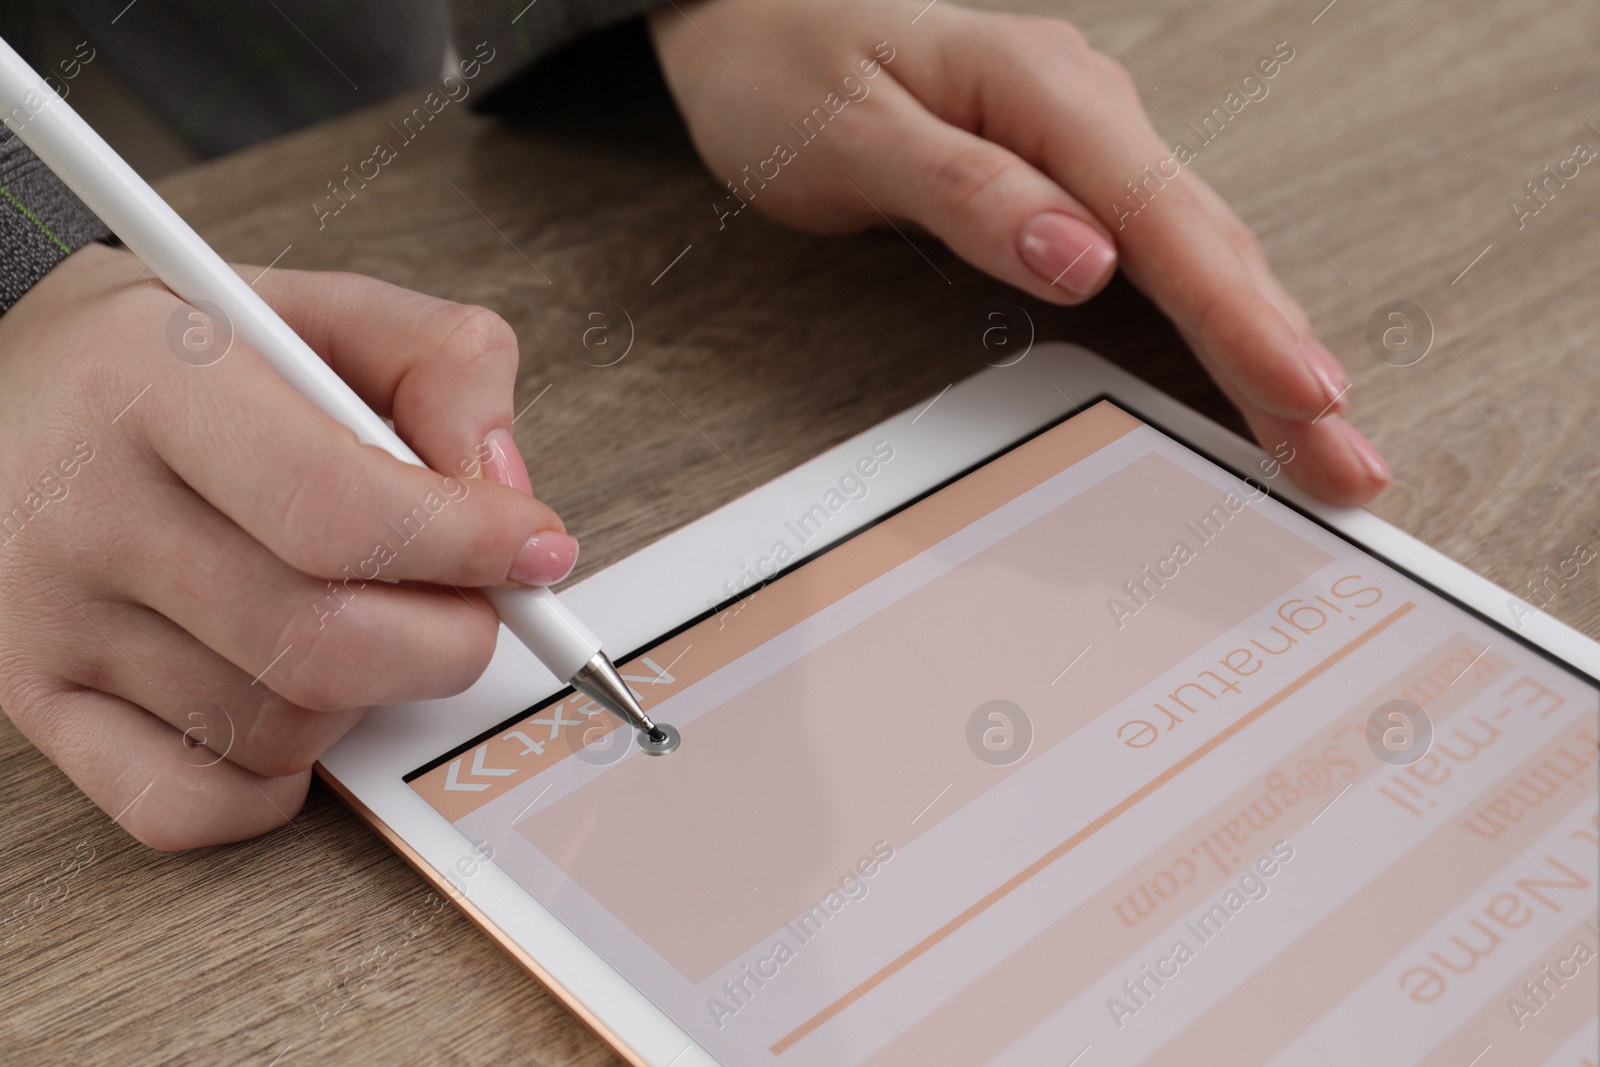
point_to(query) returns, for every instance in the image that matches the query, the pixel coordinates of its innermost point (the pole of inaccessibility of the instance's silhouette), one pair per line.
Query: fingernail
(1369, 455)
(546, 558)
(504, 464)
(1067, 252)
(1329, 373)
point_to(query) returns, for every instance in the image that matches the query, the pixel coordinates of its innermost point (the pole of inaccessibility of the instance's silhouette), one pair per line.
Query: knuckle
(314, 671)
(486, 547)
(454, 670)
(350, 661)
(32, 640)
(285, 739)
(1112, 71)
(1246, 243)
(327, 520)
(469, 334)
(846, 142)
(39, 707)
(1210, 315)
(14, 682)
(965, 176)
(1056, 34)
(477, 550)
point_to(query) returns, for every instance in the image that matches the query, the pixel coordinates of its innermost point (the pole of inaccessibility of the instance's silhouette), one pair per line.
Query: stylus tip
(658, 740)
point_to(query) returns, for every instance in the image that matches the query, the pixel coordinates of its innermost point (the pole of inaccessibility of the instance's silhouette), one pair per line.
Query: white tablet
(1029, 727)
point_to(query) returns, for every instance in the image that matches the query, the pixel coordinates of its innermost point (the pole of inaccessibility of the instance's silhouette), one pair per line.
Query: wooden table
(1378, 168)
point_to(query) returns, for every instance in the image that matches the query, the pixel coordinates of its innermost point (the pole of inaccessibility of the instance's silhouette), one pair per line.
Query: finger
(445, 372)
(220, 711)
(302, 485)
(1075, 113)
(125, 761)
(1327, 457)
(1245, 243)
(325, 645)
(993, 209)
(1332, 460)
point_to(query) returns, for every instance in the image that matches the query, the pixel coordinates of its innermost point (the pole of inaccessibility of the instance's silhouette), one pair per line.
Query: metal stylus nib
(598, 680)
(658, 742)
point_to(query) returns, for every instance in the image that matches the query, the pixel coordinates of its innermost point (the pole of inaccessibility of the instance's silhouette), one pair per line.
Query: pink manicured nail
(547, 558)
(1329, 373)
(1066, 252)
(504, 464)
(1369, 455)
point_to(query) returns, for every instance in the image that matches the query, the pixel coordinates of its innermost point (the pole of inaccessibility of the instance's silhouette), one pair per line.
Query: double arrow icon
(452, 778)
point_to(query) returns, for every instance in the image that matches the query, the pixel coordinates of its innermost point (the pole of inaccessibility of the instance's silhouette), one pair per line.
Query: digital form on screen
(1096, 747)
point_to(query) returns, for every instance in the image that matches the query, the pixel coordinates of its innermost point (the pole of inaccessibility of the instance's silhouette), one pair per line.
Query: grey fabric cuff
(522, 33)
(41, 221)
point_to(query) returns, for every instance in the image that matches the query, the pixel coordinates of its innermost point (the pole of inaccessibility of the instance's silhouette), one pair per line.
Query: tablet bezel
(686, 574)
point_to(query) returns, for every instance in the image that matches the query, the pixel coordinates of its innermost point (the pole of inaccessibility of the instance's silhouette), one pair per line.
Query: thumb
(989, 205)
(444, 372)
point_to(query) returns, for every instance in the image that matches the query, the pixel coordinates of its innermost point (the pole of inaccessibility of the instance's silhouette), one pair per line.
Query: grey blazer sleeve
(522, 33)
(41, 221)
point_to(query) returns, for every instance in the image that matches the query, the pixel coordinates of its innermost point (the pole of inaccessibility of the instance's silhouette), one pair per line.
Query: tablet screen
(1096, 754)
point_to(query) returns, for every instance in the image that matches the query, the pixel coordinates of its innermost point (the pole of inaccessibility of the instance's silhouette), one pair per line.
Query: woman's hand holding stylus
(191, 548)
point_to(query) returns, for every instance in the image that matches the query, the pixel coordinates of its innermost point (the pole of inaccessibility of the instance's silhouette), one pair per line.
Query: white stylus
(194, 272)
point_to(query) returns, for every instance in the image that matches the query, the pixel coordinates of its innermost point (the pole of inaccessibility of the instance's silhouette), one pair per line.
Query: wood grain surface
(1379, 168)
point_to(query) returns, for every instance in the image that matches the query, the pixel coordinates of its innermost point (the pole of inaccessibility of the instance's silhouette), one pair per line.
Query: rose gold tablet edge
(562, 996)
